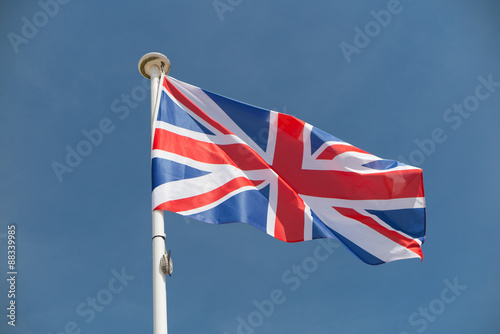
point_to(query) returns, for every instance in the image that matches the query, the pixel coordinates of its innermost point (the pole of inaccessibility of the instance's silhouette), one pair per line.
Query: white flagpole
(150, 66)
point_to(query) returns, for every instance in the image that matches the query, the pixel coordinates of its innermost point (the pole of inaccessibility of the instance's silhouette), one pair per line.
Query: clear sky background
(389, 90)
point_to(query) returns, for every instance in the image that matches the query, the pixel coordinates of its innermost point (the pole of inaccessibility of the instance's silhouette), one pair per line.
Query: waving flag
(221, 161)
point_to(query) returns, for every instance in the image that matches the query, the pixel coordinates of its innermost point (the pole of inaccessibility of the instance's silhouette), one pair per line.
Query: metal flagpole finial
(153, 59)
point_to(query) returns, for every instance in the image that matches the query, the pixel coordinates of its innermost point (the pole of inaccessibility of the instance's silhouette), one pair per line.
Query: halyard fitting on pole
(166, 264)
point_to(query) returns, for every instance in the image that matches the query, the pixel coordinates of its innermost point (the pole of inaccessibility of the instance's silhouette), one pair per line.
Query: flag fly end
(153, 59)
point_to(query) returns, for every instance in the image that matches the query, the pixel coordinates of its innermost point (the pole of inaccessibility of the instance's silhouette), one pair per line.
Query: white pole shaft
(159, 284)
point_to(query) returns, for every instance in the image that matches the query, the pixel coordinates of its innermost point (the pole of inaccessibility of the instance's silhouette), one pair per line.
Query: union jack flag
(220, 161)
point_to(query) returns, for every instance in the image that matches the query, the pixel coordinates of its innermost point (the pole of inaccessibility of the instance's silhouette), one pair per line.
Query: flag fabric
(220, 161)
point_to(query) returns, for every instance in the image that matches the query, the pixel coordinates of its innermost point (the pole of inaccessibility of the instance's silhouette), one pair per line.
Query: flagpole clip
(153, 59)
(166, 264)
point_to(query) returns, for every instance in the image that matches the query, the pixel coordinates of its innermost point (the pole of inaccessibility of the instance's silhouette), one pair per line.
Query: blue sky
(84, 239)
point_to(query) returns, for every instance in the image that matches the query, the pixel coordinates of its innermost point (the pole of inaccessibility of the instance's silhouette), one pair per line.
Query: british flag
(220, 161)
